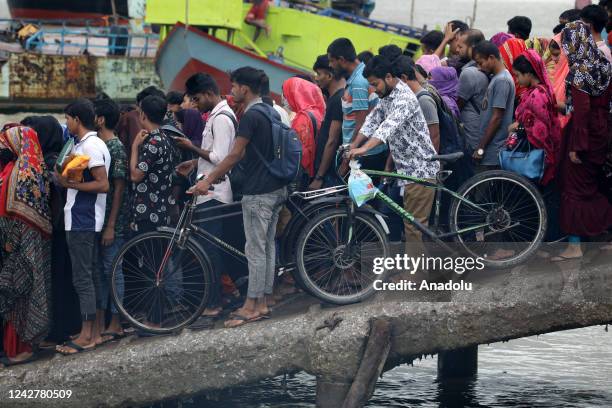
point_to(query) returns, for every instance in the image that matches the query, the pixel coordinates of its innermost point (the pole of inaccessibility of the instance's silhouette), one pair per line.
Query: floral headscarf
(589, 70)
(500, 38)
(24, 182)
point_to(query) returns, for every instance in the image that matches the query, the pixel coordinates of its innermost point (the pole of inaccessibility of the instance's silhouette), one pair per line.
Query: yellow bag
(75, 167)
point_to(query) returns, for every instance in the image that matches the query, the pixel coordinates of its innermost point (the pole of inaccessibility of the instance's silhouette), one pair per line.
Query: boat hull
(187, 50)
(65, 9)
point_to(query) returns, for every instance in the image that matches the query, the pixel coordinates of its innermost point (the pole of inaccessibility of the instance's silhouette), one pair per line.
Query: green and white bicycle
(495, 212)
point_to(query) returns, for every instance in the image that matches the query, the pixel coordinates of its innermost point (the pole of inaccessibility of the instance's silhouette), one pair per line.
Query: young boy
(115, 220)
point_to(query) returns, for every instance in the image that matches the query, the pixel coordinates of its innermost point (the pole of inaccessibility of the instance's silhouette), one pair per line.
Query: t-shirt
(332, 113)
(256, 127)
(118, 170)
(358, 96)
(152, 195)
(473, 85)
(500, 94)
(83, 211)
(429, 108)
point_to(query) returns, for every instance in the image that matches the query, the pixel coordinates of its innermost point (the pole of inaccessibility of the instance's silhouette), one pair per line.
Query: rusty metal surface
(36, 76)
(123, 78)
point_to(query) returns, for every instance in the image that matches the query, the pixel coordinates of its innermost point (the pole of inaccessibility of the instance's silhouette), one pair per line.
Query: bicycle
(161, 280)
(336, 250)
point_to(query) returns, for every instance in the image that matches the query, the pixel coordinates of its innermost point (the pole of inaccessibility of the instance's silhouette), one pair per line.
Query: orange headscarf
(510, 50)
(303, 98)
(559, 74)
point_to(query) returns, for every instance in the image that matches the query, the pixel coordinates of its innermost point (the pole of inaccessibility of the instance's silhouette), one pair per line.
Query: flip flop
(113, 336)
(74, 346)
(203, 323)
(243, 320)
(7, 362)
(561, 258)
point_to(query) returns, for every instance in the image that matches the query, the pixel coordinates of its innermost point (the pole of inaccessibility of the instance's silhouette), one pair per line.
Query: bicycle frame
(410, 217)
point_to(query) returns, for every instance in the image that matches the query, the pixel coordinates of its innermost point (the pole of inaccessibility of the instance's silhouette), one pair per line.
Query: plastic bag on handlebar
(361, 188)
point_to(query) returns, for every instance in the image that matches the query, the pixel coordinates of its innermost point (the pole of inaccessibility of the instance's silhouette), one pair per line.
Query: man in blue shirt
(358, 100)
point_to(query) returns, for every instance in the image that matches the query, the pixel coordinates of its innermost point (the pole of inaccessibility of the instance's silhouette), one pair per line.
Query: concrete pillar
(331, 393)
(459, 363)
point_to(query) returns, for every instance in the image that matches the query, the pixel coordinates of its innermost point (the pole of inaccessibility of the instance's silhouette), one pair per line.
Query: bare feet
(501, 254)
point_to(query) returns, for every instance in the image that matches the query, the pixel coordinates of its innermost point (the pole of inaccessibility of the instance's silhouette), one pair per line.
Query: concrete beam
(506, 306)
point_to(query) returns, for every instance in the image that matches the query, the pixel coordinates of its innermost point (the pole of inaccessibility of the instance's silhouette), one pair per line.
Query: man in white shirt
(217, 142)
(84, 217)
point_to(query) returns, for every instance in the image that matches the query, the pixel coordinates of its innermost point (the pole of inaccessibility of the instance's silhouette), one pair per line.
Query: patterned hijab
(589, 70)
(24, 182)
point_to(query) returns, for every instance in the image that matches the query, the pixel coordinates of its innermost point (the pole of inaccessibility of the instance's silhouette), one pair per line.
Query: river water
(567, 369)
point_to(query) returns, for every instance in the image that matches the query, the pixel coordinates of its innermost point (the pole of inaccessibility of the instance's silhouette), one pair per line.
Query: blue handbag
(529, 164)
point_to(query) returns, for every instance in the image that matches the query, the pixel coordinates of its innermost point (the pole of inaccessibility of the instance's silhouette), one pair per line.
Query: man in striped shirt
(358, 100)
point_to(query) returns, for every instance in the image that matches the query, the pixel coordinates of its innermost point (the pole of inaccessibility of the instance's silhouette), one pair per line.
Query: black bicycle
(496, 215)
(161, 281)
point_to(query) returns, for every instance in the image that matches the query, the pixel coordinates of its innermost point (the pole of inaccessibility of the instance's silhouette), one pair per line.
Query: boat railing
(69, 39)
(398, 29)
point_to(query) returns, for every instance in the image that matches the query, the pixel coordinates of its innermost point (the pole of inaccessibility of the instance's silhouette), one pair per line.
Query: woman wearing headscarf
(306, 101)
(585, 212)
(66, 319)
(25, 248)
(537, 116)
(558, 68)
(509, 51)
(446, 82)
(537, 111)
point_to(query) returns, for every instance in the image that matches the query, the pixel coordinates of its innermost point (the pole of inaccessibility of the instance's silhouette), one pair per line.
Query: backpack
(452, 136)
(286, 146)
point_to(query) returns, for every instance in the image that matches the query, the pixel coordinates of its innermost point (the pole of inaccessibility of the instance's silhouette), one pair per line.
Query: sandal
(7, 362)
(561, 258)
(73, 346)
(113, 336)
(242, 319)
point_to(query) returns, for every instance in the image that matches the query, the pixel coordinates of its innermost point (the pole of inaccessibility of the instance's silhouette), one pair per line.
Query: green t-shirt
(118, 170)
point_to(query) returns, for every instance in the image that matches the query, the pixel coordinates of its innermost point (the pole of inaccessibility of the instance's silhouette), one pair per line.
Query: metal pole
(187, 13)
(412, 13)
(474, 13)
(114, 8)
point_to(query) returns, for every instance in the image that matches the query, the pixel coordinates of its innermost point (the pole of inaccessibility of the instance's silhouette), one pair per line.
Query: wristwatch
(480, 152)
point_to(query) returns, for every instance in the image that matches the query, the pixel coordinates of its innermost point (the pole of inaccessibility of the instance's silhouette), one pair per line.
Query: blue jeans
(105, 270)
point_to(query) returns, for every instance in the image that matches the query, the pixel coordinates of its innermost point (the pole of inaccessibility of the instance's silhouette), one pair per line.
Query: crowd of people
(60, 236)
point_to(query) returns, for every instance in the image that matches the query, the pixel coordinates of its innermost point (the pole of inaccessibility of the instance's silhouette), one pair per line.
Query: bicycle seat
(447, 158)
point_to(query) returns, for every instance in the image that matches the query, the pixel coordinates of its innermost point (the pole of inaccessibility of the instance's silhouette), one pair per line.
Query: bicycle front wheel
(335, 262)
(502, 218)
(159, 286)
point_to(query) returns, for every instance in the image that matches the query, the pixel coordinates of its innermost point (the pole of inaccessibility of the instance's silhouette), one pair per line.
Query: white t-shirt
(218, 138)
(85, 211)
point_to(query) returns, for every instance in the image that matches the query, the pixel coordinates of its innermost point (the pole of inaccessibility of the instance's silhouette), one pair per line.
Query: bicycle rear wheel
(159, 286)
(334, 270)
(512, 213)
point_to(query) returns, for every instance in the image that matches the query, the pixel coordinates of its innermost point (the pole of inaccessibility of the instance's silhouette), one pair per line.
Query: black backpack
(452, 134)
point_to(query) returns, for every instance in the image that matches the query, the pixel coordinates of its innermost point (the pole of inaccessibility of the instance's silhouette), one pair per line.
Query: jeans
(105, 271)
(260, 214)
(84, 247)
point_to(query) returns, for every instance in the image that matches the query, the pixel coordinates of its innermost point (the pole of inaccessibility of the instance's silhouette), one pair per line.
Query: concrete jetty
(330, 342)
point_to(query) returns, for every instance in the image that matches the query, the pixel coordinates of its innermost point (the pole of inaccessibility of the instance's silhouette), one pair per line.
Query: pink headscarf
(537, 112)
(429, 62)
(558, 82)
(500, 38)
